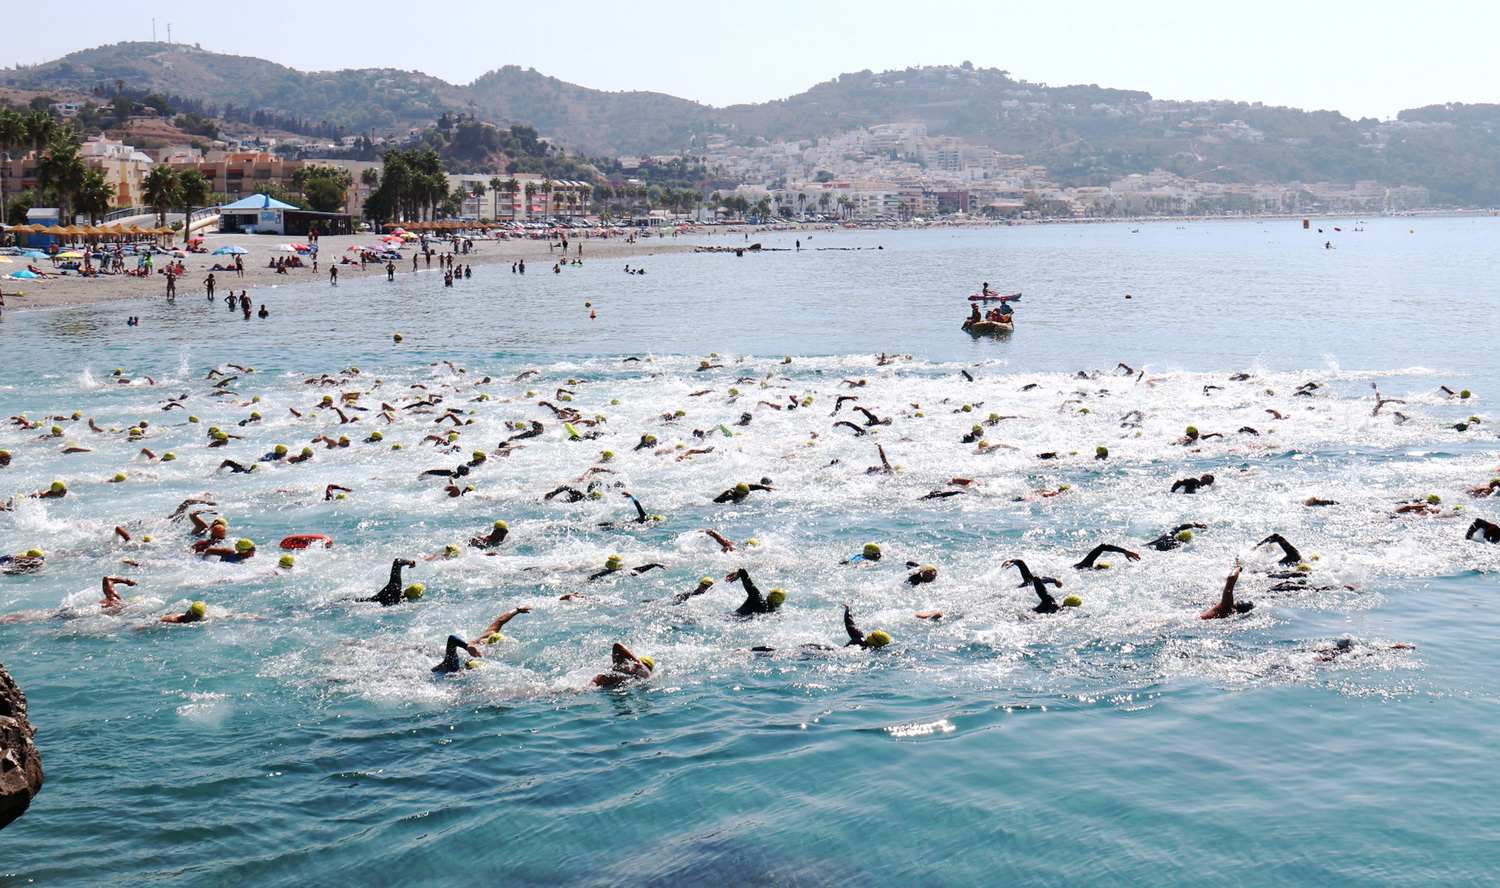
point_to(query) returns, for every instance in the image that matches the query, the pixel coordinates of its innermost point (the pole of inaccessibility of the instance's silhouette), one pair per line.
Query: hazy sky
(1370, 58)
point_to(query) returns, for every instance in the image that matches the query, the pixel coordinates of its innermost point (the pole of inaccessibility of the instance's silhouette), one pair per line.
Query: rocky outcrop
(20, 764)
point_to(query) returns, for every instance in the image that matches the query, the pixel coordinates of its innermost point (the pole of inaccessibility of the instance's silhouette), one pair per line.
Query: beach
(486, 257)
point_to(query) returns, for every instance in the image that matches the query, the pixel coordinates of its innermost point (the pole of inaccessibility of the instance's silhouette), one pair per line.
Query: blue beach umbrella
(232, 251)
(23, 273)
(35, 254)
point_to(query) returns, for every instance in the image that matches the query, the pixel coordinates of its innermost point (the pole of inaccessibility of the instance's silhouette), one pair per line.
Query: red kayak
(307, 541)
(978, 298)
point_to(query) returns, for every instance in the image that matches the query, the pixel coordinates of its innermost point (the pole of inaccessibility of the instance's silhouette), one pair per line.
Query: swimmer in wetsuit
(1289, 553)
(391, 594)
(624, 666)
(928, 574)
(1088, 562)
(1175, 537)
(1192, 485)
(450, 662)
(1227, 606)
(738, 492)
(197, 613)
(754, 602)
(868, 641)
(1488, 529)
(1026, 577)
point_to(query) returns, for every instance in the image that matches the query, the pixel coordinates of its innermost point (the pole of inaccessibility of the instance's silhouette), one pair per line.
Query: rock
(20, 763)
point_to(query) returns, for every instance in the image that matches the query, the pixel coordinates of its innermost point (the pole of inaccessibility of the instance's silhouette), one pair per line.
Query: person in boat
(984, 290)
(974, 314)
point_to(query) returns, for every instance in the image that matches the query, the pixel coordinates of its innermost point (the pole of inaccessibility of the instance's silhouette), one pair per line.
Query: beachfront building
(124, 168)
(264, 214)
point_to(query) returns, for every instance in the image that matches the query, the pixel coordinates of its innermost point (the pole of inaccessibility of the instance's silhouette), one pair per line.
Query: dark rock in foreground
(20, 764)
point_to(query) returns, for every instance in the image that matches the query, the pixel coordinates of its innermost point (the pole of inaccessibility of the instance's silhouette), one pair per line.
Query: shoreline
(72, 290)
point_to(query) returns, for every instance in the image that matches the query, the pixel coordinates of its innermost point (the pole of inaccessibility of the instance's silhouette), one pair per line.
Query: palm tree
(547, 187)
(61, 169)
(512, 187)
(12, 135)
(194, 188)
(495, 184)
(479, 191)
(40, 128)
(531, 189)
(96, 196)
(160, 191)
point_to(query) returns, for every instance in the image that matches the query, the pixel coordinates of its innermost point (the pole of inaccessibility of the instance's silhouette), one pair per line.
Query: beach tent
(24, 274)
(231, 251)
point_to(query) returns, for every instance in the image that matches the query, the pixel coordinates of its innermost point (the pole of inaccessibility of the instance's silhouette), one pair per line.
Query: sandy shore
(71, 289)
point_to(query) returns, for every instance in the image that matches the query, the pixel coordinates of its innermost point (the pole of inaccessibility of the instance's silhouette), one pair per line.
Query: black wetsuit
(1488, 529)
(235, 467)
(1169, 541)
(1191, 485)
(391, 593)
(732, 495)
(450, 658)
(754, 603)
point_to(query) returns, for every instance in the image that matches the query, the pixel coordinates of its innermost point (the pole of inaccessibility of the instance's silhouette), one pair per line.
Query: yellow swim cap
(199, 609)
(614, 562)
(451, 551)
(1072, 601)
(776, 597)
(871, 550)
(168, 456)
(501, 525)
(414, 591)
(286, 562)
(494, 638)
(35, 553)
(243, 545)
(742, 489)
(480, 455)
(119, 476)
(279, 450)
(649, 661)
(58, 487)
(878, 639)
(307, 451)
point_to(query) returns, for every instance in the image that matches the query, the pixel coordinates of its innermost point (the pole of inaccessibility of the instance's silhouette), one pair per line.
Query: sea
(1339, 733)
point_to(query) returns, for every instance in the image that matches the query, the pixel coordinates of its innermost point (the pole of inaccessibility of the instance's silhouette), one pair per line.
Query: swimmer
(491, 634)
(1289, 553)
(450, 662)
(1484, 490)
(1227, 606)
(870, 552)
(1345, 645)
(928, 574)
(738, 492)
(495, 537)
(725, 544)
(391, 593)
(704, 585)
(885, 467)
(1089, 560)
(112, 599)
(624, 666)
(1175, 537)
(1488, 529)
(1192, 485)
(196, 613)
(243, 550)
(334, 491)
(754, 602)
(236, 468)
(30, 561)
(1027, 579)
(870, 641)
(614, 564)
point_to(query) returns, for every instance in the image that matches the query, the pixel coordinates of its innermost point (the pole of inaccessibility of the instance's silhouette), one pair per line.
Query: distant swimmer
(1227, 606)
(495, 537)
(615, 565)
(624, 667)
(391, 593)
(491, 634)
(754, 602)
(1289, 553)
(1182, 533)
(196, 613)
(740, 491)
(1192, 485)
(725, 544)
(1488, 529)
(1090, 561)
(1485, 489)
(451, 662)
(30, 561)
(869, 641)
(703, 586)
(243, 550)
(1346, 645)
(870, 552)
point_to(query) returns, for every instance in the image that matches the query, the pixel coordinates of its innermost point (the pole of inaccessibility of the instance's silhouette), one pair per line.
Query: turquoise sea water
(299, 738)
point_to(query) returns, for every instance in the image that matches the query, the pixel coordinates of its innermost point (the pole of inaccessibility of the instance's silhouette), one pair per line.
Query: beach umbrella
(23, 273)
(69, 254)
(5, 261)
(284, 248)
(178, 254)
(34, 254)
(230, 251)
(304, 248)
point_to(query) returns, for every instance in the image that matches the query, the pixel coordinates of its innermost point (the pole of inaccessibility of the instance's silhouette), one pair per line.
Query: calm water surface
(299, 738)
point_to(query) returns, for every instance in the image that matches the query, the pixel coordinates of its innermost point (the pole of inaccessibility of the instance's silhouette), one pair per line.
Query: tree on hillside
(161, 190)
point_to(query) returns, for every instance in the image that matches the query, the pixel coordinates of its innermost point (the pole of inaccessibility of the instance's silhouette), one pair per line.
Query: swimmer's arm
(724, 544)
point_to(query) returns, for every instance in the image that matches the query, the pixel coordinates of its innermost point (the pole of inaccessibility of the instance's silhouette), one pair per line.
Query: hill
(1084, 134)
